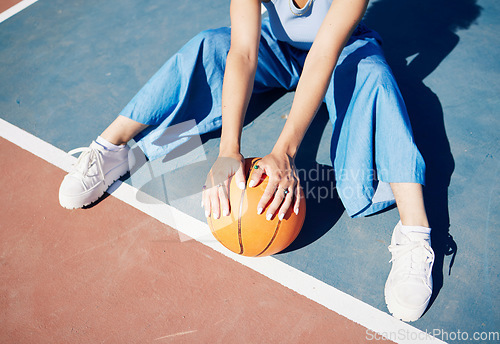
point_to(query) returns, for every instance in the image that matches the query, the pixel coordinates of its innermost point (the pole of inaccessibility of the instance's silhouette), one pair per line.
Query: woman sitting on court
(321, 49)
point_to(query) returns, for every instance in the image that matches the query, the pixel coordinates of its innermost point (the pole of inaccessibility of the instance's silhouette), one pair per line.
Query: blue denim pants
(372, 142)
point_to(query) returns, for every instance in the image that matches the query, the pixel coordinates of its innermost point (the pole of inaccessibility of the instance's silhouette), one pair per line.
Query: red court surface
(111, 274)
(6, 4)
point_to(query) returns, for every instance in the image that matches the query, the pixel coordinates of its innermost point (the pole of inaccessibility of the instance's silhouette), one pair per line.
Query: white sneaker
(94, 171)
(409, 286)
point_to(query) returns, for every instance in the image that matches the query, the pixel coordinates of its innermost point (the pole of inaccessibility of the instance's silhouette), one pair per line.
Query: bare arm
(241, 64)
(337, 27)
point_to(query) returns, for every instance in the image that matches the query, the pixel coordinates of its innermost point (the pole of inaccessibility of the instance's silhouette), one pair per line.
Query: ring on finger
(285, 191)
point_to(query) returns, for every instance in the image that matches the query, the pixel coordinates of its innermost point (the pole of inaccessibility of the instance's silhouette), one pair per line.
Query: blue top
(297, 26)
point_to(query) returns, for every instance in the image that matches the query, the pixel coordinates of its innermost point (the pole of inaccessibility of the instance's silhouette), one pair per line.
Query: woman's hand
(283, 187)
(216, 189)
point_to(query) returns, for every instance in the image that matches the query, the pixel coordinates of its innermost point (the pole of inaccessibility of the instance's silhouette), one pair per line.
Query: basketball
(247, 233)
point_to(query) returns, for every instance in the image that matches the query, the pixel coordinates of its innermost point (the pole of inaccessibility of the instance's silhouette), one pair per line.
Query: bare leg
(410, 202)
(122, 130)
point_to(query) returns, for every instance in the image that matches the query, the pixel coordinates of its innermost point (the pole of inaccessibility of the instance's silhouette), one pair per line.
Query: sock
(108, 145)
(416, 229)
(417, 232)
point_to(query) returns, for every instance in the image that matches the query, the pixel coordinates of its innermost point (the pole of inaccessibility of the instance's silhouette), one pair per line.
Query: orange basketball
(249, 234)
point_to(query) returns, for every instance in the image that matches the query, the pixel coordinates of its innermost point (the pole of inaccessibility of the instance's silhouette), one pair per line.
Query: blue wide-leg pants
(372, 142)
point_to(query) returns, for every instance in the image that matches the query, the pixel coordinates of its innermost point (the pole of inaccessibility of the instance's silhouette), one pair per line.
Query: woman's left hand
(283, 187)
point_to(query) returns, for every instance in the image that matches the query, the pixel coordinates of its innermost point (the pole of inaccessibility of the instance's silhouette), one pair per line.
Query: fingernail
(259, 211)
(241, 185)
(226, 212)
(252, 183)
(281, 216)
(216, 216)
(296, 211)
(202, 203)
(269, 216)
(207, 213)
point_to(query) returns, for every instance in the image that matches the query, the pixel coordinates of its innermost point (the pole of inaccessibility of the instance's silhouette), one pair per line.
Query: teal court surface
(141, 266)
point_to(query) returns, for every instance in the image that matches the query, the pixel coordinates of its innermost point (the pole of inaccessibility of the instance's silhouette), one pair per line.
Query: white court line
(15, 9)
(355, 310)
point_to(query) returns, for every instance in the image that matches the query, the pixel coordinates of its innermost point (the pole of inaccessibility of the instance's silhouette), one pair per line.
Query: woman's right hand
(215, 198)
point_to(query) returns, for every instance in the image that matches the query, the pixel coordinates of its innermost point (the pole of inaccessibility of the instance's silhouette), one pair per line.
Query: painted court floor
(128, 270)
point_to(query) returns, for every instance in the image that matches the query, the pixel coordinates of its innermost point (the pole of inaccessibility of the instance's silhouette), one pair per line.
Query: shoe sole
(400, 312)
(92, 195)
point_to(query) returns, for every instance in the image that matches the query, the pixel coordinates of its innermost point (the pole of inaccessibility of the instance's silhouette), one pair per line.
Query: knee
(207, 44)
(212, 37)
(378, 71)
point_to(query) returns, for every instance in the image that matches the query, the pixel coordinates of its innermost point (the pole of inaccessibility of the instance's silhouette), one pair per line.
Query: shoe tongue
(416, 236)
(83, 163)
(420, 253)
(96, 145)
(86, 165)
(417, 233)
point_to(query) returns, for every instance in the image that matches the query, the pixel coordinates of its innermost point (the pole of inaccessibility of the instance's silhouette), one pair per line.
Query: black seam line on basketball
(272, 239)
(240, 239)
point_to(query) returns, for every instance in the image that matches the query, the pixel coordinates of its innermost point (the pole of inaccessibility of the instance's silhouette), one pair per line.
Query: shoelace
(85, 161)
(417, 268)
